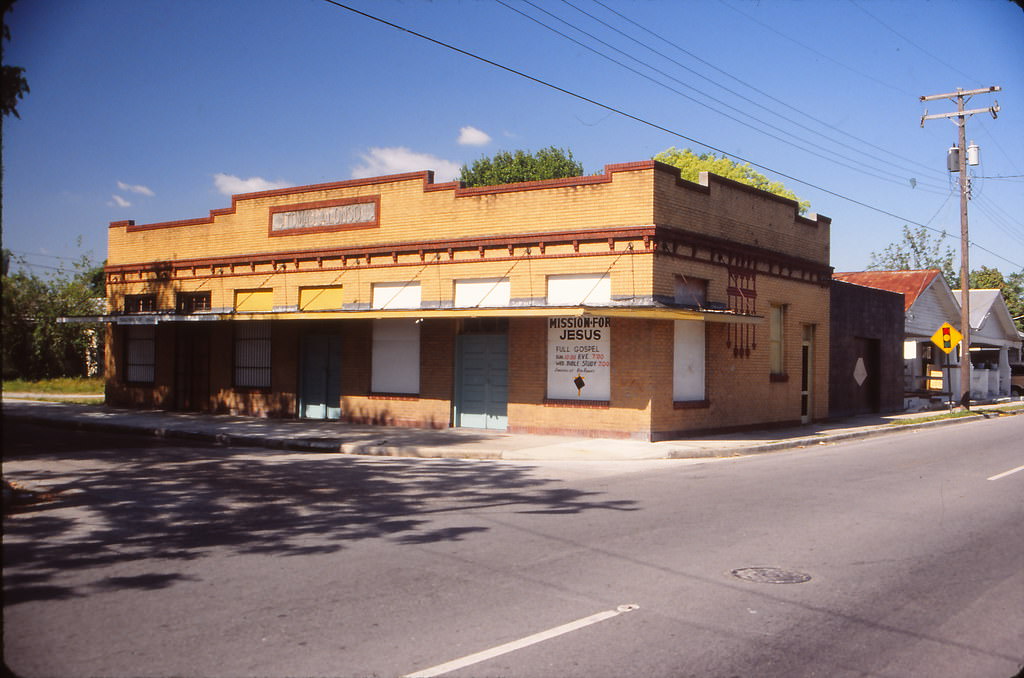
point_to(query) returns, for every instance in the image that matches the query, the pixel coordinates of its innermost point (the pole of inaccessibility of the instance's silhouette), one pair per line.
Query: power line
(830, 156)
(640, 120)
(911, 42)
(781, 102)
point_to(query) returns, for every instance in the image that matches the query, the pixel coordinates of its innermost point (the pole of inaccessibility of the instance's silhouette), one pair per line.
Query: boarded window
(396, 295)
(688, 361)
(575, 289)
(776, 320)
(327, 298)
(691, 291)
(482, 292)
(395, 364)
(254, 301)
(252, 354)
(140, 354)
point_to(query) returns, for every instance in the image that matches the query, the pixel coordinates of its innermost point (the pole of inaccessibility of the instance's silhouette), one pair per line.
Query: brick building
(629, 303)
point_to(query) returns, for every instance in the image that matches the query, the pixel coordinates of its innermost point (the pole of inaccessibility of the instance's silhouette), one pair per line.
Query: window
(482, 292)
(140, 303)
(776, 320)
(575, 289)
(252, 354)
(190, 302)
(691, 291)
(254, 301)
(140, 354)
(688, 361)
(395, 364)
(396, 295)
(326, 298)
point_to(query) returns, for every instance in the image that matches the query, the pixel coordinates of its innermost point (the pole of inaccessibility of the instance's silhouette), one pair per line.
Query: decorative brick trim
(691, 404)
(778, 378)
(393, 396)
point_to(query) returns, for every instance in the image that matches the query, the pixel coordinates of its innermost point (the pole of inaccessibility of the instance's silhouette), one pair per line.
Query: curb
(384, 449)
(822, 439)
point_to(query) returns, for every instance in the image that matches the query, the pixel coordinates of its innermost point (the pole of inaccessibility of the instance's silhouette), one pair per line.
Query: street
(905, 554)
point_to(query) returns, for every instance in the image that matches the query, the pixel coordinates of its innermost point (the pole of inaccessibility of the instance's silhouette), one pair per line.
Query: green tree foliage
(691, 165)
(918, 250)
(1012, 287)
(35, 345)
(512, 167)
(13, 85)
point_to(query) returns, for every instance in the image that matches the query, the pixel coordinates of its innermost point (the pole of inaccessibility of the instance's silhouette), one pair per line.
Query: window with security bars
(252, 354)
(190, 302)
(140, 354)
(140, 303)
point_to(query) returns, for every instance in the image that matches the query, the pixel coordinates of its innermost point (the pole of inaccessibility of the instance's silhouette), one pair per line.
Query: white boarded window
(776, 355)
(252, 354)
(688, 361)
(140, 354)
(396, 295)
(576, 289)
(482, 292)
(395, 365)
(691, 291)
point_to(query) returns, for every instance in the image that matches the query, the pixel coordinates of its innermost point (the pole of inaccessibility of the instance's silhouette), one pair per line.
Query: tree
(918, 250)
(13, 85)
(1012, 287)
(35, 345)
(508, 168)
(690, 166)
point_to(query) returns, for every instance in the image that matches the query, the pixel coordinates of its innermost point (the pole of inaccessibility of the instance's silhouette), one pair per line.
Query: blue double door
(481, 367)
(320, 376)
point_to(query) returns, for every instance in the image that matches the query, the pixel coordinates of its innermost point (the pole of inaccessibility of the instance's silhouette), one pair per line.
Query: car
(1017, 380)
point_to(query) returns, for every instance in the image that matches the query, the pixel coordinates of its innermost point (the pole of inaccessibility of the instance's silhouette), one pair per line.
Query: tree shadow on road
(119, 499)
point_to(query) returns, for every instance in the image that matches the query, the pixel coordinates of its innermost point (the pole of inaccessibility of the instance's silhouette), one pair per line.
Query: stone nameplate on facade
(579, 358)
(333, 216)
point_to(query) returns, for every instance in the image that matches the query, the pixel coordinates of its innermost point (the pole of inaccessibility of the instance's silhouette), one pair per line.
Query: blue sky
(157, 111)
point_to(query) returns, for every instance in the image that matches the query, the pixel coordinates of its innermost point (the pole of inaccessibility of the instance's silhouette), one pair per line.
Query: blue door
(320, 378)
(481, 399)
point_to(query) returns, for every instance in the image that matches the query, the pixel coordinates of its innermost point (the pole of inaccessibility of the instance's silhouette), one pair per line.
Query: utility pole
(959, 118)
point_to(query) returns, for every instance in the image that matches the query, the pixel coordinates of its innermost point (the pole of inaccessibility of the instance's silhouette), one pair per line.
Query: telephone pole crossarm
(993, 109)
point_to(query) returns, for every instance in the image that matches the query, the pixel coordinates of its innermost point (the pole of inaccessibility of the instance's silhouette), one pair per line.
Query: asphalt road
(158, 559)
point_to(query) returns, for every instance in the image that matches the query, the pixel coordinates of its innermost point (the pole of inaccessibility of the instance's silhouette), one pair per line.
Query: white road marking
(1006, 473)
(478, 657)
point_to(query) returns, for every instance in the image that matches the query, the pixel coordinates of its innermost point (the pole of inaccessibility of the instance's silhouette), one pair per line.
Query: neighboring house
(994, 338)
(930, 376)
(865, 349)
(629, 303)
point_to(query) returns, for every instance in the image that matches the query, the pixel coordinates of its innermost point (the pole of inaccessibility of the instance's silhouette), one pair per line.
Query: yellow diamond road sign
(947, 337)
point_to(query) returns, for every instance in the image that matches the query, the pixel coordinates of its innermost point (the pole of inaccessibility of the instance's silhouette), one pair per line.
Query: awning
(645, 312)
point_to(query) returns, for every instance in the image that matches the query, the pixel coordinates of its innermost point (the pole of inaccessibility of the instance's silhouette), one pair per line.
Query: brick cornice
(426, 177)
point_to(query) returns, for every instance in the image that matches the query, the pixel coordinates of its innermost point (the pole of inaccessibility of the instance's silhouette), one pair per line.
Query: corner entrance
(481, 378)
(320, 376)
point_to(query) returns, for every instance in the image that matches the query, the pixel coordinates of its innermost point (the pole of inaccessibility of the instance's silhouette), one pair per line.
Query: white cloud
(135, 188)
(229, 184)
(118, 201)
(398, 160)
(471, 136)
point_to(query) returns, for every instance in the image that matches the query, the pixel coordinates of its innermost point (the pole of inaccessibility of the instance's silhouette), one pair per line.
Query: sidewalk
(332, 436)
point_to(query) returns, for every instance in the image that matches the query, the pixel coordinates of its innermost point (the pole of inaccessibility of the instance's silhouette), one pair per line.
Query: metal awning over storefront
(639, 312)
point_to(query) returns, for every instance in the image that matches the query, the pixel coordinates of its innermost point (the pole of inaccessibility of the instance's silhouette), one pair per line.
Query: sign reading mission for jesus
(579, 358)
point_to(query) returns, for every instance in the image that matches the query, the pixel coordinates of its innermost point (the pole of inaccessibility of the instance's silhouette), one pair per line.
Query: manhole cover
(771, 575)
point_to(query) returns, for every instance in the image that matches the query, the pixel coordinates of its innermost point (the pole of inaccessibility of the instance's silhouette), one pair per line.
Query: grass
(987, 412)
(92, 386)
